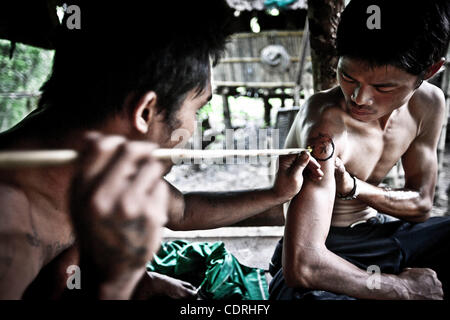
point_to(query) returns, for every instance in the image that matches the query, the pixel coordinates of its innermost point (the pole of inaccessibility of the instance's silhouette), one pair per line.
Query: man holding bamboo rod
(131, 74)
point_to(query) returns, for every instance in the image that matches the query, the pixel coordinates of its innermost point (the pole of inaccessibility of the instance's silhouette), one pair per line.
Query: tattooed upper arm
(322, 146)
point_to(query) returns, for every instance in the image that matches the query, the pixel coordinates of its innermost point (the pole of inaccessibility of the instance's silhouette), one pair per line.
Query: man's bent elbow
(424, 210)
(422, 216)
(299, 275)
(421, 212)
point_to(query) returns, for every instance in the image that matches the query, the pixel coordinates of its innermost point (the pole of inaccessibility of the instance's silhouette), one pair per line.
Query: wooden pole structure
(301, 64)
(226, 111)
(267, 109)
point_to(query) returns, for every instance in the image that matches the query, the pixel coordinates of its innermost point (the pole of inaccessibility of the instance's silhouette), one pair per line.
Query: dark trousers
(392, 246)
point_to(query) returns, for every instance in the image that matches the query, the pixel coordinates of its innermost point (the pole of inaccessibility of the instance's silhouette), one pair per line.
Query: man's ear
(434, 68)
(144, 112)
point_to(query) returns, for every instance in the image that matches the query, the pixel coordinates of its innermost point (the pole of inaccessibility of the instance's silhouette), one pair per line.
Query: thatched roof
(250, 5)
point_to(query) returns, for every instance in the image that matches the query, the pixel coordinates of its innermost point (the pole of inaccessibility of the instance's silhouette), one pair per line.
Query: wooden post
(226, 112)
(267, 109)
(301, 63)
(323, 19)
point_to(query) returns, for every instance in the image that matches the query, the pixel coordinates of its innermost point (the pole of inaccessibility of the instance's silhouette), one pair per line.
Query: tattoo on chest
(322, 147)
(33, 237)
(54, 249)
(50, 250)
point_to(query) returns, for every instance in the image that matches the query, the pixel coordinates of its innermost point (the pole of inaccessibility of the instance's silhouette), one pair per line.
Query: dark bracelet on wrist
(352, 194)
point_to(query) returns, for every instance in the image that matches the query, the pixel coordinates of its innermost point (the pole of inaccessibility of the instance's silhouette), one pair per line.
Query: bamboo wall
(242, 65)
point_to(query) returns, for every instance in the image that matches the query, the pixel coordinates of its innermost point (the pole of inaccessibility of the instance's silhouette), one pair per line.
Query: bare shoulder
(428, 102)
(321, 108)
(325, 105)
(321, 122)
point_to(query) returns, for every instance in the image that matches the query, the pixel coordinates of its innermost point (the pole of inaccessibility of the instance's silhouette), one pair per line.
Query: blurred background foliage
(20, 80)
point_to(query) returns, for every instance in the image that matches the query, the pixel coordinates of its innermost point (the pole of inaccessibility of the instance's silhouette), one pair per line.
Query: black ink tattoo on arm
(322, 147)
(33, 238)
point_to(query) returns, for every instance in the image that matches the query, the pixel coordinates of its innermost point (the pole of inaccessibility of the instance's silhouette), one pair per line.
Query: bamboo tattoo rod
(42, 158)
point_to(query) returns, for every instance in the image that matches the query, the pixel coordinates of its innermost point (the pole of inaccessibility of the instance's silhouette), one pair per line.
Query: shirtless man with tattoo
(381, 112)
(105, 213)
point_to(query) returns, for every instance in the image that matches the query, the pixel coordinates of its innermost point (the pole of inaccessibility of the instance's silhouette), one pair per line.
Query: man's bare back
(40, 221)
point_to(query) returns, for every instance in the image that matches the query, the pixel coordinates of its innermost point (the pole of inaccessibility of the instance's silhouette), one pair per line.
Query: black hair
(412, 36)
(133, 47)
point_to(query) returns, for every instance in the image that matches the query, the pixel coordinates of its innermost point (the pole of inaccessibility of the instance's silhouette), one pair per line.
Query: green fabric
(213, 269)
(278, 3)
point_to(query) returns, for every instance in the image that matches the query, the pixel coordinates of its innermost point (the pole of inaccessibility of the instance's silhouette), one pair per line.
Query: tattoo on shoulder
(55, 248)
(33, 239)
(322, 147)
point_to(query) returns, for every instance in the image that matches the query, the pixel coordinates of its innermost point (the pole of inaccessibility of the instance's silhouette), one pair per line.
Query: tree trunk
(323, 19)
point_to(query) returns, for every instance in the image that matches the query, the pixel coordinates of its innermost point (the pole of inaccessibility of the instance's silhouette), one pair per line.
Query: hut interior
(266, 57)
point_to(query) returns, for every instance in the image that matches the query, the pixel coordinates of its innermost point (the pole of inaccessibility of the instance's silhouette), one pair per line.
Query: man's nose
(361, 96)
